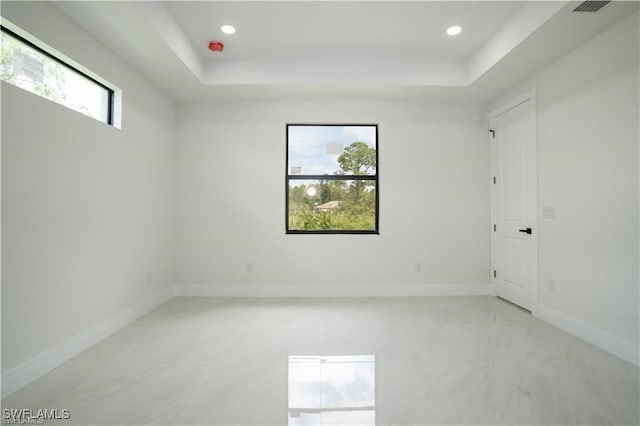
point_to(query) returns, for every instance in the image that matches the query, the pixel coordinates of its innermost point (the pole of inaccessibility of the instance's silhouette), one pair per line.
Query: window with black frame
(33, 66)
(332, 179)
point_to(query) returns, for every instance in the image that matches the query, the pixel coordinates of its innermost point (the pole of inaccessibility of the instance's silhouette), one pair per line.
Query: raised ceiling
(338, 29)
(382, 49)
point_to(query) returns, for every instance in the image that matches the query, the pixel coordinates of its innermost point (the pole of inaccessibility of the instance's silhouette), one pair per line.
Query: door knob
(526, 231)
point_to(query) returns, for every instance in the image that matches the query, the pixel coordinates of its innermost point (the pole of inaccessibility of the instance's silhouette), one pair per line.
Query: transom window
(332, 179)
(32, 66)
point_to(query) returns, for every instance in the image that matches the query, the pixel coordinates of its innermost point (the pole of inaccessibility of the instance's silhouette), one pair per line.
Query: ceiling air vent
(591, 6)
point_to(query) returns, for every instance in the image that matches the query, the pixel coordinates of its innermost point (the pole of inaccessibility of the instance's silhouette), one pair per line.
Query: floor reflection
(332, 390)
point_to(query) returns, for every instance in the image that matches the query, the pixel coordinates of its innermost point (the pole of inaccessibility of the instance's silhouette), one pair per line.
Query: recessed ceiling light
(228, 29)
(454, 30)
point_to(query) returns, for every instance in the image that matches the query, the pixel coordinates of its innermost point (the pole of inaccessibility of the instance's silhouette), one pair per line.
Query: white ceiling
(339, 29)
(380, 49)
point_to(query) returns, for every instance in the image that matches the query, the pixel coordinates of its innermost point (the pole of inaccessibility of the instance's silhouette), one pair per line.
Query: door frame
(528, 96)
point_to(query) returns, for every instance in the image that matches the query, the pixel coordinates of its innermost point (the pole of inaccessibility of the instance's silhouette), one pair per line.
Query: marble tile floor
(438, 360)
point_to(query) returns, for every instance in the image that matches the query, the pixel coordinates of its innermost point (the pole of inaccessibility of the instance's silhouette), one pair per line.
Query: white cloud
(366, 134)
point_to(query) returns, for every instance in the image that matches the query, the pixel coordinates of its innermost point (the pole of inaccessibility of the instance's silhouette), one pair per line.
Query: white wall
(87, 209)
(587, 126)
(434, 201)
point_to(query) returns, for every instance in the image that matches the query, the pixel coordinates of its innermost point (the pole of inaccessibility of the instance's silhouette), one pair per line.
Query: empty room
(320, 212)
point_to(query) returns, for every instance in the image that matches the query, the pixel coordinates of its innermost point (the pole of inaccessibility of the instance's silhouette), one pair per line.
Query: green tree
(357, 159)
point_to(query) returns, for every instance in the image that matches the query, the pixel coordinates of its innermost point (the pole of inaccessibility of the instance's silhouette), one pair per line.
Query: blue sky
(308, 145)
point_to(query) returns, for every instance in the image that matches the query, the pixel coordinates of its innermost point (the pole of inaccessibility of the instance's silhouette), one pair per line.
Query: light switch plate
(548, 212)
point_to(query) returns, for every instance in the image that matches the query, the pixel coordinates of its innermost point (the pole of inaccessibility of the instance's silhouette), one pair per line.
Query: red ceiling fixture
(216, 46)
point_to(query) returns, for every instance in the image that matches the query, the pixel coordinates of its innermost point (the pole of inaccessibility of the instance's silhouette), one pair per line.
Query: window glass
(332, 181)
(28, 67)
(316, 150)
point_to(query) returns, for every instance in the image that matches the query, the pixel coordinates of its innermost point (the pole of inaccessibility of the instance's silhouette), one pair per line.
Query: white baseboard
(622, 348)
(30, 370)
(401, 290)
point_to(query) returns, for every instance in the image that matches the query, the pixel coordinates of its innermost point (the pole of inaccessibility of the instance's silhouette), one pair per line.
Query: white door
(514, 242)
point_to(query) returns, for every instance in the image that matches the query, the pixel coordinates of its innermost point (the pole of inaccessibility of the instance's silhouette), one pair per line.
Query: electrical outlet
(418, 267)
(149, 278)
(552, 285)
(248, 267)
